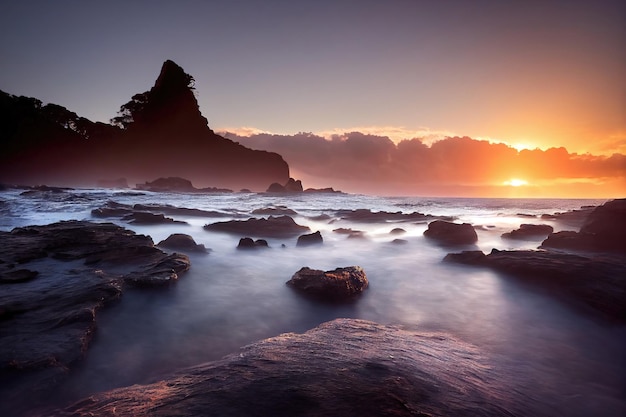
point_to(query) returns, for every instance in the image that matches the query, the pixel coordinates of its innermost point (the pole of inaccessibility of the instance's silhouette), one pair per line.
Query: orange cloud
(369, 163)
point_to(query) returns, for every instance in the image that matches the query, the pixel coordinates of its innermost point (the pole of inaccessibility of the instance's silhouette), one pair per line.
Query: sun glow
(515, 182)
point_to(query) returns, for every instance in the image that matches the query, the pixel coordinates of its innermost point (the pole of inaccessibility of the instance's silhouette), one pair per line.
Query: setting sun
(515, 182)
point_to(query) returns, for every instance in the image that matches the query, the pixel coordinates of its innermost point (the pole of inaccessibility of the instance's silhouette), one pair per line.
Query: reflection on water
(571, 364)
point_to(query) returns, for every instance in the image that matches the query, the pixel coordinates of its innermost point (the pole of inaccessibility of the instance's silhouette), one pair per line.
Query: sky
(527, 74)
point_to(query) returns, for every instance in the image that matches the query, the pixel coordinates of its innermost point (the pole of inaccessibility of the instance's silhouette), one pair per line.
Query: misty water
(566, 362)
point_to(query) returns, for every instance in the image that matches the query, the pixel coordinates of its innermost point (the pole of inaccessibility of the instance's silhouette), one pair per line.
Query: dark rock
(341, 284)
(397, 231)
(177, 185)
(327, 190)
(276, 211)
(178, 211)
(399, 242)
(573, 218)
(529, 232)
(280, 226)
(448, 233)
(140, 217)
(68, 271)
(368, 216)
(292, 186)
(603, 231)
(249, 243)
(345, 367)
(182, 242)
(310, 239)
(596, 283)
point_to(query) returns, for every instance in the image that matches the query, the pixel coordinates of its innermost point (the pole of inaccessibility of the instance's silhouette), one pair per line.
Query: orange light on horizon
(516, 182)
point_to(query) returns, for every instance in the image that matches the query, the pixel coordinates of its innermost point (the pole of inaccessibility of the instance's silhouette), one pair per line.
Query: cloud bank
(370, 163)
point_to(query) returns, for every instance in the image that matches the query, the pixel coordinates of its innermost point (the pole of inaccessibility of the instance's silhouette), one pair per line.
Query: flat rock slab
(273, 226)
(596, 283)
(69, 270)
(345, 367)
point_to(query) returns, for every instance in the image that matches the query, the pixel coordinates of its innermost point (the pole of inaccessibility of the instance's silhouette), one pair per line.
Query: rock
(399, 241)
(397, 231)
(529, 232)
(341, 284)
(276, 211)
(597, 283)
(327, 190)
(273, 226)
(603, 231)
(345, 367)
(448, 233)
(292, 186)
(368, 216)
(140, 217)
(183, 242)
(59, 276)
(249, 243)
(114, 209)
(177, 185)
(573, 218)
(310, 239)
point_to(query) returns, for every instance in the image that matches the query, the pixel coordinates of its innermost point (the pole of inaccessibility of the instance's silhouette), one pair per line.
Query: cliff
(158, 133)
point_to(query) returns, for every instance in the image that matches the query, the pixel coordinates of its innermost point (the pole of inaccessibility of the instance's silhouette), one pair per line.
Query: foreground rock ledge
(53, 279)
(344, 367)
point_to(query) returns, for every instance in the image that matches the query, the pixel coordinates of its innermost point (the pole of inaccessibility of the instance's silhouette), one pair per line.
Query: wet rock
(249, 243)
(593, 282)
(368, 216)
(275, 211)
(273, 226)
(146, 218)
(66, 272)
(345, 367)
(341, 284)
(529, 232)
(604, 230)
(310, 239)
(182, 242)
(448, 233)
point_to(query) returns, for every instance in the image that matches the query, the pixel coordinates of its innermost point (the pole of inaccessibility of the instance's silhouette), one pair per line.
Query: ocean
(566, 362)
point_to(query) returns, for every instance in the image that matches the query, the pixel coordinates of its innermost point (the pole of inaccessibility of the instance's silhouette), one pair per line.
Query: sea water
(565, 362)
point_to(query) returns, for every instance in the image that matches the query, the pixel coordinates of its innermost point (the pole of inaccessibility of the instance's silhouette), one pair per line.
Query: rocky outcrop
(144, 218)
(247, 243)
(596, 283)
(345, 367)
(341, 284)
(112, 209)
(182, 242)
(529, 232)
(448, 233)
(310, 239)
(273, 226)
(177, 185)
(604, 230)
(368, 216)
(292, 186)
(54, 279)
(275, 211)
(158, 133)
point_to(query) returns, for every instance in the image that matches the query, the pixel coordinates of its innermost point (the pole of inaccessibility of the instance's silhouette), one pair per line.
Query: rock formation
(310, 239)
(341, 284)
(529, 232)
(273, 226)
(54, 279)
(345, 367)
(182, 242)
(159, 133)
(448, 233)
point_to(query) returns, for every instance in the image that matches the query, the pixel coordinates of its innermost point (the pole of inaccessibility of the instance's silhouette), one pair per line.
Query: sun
(516, 182)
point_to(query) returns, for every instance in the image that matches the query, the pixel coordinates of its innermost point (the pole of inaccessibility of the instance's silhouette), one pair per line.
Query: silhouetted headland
(158, 133)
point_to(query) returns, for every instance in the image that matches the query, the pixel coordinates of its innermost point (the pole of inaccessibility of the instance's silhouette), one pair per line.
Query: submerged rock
(273, 226)
(249, 243)
(529, 232)
(345, 367)
(183, 242)
(368, 216)
(70, 270)
(448, 233)
(340, 284)
(310, 239)
(597, 283)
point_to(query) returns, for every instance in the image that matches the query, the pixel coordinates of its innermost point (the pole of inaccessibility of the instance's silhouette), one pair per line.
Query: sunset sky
(528, 74)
